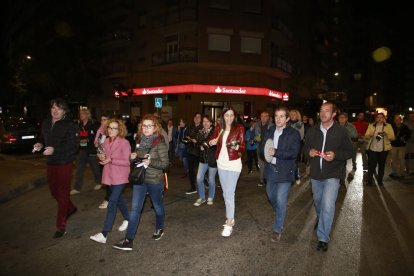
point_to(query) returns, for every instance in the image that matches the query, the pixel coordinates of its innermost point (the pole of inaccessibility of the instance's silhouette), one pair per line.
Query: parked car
(18, 133)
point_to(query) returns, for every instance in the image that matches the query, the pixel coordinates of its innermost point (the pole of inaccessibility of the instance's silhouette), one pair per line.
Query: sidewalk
(18, 176)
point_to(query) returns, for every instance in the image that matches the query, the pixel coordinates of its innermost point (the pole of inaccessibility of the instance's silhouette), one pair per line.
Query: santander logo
(285, 97)
(230, 90)
(274, 94)
(152, 91)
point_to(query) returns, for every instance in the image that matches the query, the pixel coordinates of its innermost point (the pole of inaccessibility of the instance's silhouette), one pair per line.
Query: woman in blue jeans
(207, 163)
(151, 147)
(115, 159)
(280, 171)
(229, 138)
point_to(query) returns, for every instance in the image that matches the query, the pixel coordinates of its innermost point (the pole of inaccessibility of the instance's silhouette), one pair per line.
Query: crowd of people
(274, 145)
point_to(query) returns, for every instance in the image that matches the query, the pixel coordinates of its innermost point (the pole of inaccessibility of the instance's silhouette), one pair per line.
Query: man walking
(260, 130)
(329, 147)
(60, 140)
(361, 127)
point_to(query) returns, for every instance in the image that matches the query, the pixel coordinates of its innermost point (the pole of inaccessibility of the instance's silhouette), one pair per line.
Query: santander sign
(209, 89)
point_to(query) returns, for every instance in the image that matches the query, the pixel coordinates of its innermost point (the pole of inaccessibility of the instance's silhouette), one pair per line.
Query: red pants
(59, 180)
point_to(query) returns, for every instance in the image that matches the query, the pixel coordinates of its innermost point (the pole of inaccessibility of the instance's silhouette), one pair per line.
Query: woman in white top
(229, 138)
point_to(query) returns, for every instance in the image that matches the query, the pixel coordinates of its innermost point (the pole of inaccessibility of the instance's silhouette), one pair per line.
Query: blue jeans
(139, 192)
(202, 169)
(278, 193)
(116, 199)
(228, 180)
(325, 193)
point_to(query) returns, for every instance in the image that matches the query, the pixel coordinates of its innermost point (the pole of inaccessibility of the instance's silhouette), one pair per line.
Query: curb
(22, 189)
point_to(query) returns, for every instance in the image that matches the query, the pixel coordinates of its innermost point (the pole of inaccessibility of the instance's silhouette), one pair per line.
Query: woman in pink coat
(115, 173)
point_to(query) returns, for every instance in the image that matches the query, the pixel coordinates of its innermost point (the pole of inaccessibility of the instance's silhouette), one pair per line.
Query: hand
(272, 151)
(194, 141)
(101, 156)
(37, 147)
(49, 150)
(313, 153)
(213, 142)
(105, 161)
(329, 156)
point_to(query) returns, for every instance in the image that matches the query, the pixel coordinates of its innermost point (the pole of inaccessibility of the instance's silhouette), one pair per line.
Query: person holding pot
(229, 139)
(151, 147)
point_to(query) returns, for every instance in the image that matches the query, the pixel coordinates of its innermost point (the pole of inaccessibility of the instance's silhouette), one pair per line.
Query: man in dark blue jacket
(280, 171)
(329, 147)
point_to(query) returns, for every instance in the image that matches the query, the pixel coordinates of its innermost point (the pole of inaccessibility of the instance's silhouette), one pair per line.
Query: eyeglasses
(112, 128)
(148, 126)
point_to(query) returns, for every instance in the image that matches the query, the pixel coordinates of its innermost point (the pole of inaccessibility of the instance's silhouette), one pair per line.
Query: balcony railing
(278, 62)
(175, 17)
(183, 55)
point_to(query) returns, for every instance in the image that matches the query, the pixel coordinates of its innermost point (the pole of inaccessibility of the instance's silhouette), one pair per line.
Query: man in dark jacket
(87, 152)
(402, 135)
(280, 171)
(329, 147)
(60, 141)
(193, 151)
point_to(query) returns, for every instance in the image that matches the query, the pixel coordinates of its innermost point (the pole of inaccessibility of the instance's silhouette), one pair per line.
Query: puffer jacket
(236, 133)
(159, 160)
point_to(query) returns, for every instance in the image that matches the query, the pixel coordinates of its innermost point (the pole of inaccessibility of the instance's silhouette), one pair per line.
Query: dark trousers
(171, 150)
(376, 159)
(251, 156)
(83, 159)
(192, 169)
(58, 179)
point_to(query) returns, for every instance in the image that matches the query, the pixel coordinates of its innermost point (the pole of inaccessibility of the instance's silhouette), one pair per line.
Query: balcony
(279, 62)
(183, 55)
(281, 33)
(178, 16)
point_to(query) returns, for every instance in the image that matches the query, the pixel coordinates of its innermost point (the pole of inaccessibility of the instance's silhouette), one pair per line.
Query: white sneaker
(298, 181)
(97, 187)
(227, 230)
(98, 238)
(103, 205)
(74, 192)
(123, 226)
(210, 201)
(199, 202)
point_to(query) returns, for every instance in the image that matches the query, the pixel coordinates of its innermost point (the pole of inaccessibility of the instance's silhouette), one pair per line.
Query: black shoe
(59, 233)
(158, 234)
(322, 246)
(380, 183)
(124, 244)
(71, 213)
(190, 192)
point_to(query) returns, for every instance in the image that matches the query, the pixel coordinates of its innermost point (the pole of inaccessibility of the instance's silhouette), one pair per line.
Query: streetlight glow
(28, 57)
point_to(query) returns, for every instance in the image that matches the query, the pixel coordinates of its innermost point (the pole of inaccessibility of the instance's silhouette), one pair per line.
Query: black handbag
(137, 172)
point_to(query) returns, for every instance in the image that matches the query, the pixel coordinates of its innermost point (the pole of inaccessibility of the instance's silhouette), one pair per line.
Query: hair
(208, 117)
(61, 103)
(343, 114)
(334, 110)
(282, 108)
(223, 122)
(299, 117)
(106, 115)
(87, 112)
(154, 119)
(122, 130)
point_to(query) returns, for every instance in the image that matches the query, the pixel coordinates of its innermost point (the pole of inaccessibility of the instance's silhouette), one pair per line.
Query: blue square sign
(158, 102)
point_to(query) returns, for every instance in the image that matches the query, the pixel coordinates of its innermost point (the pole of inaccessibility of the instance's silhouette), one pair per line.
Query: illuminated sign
(210, 89)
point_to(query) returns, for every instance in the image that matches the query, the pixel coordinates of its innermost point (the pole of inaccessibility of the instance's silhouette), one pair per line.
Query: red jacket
(236, 133)
(361, 127)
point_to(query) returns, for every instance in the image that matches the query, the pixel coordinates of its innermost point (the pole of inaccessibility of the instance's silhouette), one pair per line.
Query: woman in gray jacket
(153, 149)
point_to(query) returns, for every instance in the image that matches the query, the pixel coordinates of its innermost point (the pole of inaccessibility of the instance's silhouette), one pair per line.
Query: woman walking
(207, 163)
(115, 160)
(229, 138)
(152, 148)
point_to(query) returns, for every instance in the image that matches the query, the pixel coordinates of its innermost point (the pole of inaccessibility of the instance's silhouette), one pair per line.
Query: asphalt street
(372, 234)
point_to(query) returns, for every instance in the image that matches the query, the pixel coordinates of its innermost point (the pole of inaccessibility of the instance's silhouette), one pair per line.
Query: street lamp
(28, 57)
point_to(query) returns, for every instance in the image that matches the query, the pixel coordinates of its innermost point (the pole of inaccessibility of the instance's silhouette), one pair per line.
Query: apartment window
(252, 6)
(219, 42)
(220, 4)
(251, 45)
